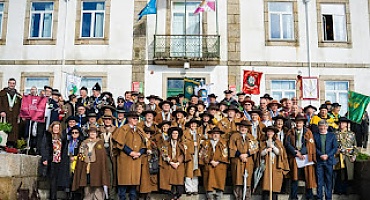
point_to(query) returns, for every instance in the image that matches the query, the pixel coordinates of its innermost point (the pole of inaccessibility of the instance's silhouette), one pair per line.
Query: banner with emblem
(33, 108)
(251, 82)
(189, 85)
(357, 104)
(73, 82)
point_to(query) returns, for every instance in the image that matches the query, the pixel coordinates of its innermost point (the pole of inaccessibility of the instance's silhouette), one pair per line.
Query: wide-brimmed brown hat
(193, 121)
(231, 107)
(273, 128)
(206, 114)
(149, 111)
(149, 130)
(175, 128)
(216, 130)
(163, 123)
(276, 102)
(179, 110)
(244, 123)
(131, 114)
(300, 118)
(191, 106)
(254, 111)
(279, 117)
(108, 115)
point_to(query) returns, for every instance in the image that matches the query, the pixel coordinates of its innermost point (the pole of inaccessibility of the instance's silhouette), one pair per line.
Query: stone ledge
(18, 165)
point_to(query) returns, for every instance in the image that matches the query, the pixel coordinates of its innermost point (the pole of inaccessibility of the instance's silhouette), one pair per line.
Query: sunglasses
(75, 132)
(248, 104)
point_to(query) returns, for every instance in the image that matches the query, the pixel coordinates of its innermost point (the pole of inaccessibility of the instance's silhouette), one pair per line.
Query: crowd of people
(94, 147)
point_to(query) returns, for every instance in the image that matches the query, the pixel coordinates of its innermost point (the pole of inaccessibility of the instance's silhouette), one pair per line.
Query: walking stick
(29, 138)
(270, 174)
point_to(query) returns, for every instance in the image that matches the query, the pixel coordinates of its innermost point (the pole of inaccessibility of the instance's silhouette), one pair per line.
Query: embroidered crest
(311, 140)
(99, 146)
(225, 152)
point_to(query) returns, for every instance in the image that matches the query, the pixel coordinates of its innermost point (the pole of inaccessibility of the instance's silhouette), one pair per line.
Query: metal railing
(192, 47)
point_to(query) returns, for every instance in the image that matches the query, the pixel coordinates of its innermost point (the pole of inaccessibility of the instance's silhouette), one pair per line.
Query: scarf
(254, 129)
(57, 150)
(195, 156)
(173, 148)
(72, 145)
(214, 143)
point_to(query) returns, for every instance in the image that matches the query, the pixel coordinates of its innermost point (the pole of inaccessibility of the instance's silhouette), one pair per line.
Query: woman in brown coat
(274, 156)
(179, 118)
(149, 181)
(214, 158)
(162, 133)
(172, 168)
(91, 171)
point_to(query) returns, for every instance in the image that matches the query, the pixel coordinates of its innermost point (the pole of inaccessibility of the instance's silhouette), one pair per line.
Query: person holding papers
(326, 147)
(299, 143)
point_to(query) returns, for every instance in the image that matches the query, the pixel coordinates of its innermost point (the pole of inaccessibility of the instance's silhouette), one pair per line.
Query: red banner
(33, 108)
(251, 82)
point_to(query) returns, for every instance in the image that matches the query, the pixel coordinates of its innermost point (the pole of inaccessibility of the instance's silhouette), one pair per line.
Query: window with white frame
(38, 82)
(337, 92)
(89, 82)
(92, 25)
(334, 22)
(41, 16)
(1, 18)
(281, 20)
(283, 89)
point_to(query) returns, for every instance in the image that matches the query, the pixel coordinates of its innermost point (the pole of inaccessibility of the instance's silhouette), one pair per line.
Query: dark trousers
(266, 195)
(40, 136)
(131, 190)
(324, 173)
(294, 187)
(53, 177)
(340, 181)
(177, 191)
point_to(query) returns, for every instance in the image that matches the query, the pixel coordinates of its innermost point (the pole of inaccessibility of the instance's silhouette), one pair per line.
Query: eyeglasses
(248, 104)
(75, 132)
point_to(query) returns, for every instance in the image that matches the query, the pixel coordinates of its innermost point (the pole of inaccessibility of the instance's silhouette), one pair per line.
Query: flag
(73, 82)
(251, 82)
(150, 8)
(189, 85)
(205, 5)
(357, 104)
(33, 108)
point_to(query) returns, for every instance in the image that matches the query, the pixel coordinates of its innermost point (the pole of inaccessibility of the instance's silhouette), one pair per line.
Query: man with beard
(10, 105)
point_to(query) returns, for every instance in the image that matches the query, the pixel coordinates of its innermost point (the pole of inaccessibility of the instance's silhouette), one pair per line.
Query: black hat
(192, 121)
(134, 93)
(71, 118)
(309, 106)
(56, 92)
(163, 123)
(141, 96)
(132, 114)
(240, 94)
(120, 111)
(191, 106)
(324, 106)
(175, 128)
(180, 95)
(223, 103)
(248, 101)
(216, 130)
(91, 114)
(300, 118)
(231, 107)
(83, 88)
(212, 96)
(206, 114)
(244, 123)
(179, 110)
(327, 102)
(279, 117)
(213, 107)
(71, 96)
(113, 109)
(47, 87)
(96, 87)
(158, 98)
(273, 128)
(228, 92)
(148, 111)
(254, 111)
(106, 93)
(343, 119)
(266, 96)
(165, 102)
(335, 105)
(201, 103)
(149, 130)
(193, 95)
(151, 97)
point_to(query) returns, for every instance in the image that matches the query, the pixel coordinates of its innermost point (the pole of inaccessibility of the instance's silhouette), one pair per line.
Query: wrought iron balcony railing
(189, 47)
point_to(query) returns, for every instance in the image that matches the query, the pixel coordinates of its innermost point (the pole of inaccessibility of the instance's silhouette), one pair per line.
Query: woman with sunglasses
(73, 147)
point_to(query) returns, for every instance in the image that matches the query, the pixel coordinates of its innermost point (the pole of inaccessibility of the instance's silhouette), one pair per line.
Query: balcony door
(186, 30)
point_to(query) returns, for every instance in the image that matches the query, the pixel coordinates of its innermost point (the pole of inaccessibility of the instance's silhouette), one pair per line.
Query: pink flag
(33, 108)
(204, 5)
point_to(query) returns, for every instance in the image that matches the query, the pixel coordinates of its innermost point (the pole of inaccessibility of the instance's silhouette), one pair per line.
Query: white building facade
(101, 40)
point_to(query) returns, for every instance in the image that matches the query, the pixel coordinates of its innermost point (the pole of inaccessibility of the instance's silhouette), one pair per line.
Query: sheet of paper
(303, 163)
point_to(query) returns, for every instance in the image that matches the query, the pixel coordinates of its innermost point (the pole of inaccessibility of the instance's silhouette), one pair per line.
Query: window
(39, 82)
(334, 22)
(92, 25)
(41, 16)
(1, 17)
(337, 91)
(283, 89)
(89, 82)
(281, 20)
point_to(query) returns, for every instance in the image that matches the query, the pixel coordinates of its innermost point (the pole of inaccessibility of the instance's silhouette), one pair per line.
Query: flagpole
(217, 26)
(186, 15)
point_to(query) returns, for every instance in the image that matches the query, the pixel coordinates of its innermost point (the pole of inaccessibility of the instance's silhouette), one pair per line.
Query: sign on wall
(310, 88)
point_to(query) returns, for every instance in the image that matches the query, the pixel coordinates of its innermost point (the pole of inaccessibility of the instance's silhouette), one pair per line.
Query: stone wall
(16, 169)
(233, 38)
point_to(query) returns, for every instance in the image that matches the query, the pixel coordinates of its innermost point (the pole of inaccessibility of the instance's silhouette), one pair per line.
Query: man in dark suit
(326, 147)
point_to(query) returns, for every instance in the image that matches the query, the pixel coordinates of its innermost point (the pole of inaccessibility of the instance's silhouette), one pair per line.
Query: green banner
(189, 85)
(357, 104)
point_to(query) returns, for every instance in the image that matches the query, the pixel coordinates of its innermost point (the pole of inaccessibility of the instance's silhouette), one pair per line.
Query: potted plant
(362, 175)
(5, 128)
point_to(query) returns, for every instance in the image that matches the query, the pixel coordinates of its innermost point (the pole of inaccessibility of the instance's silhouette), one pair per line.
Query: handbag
(154, 163)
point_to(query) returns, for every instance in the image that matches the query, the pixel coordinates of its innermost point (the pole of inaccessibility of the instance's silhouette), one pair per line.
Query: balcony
(196, 49)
